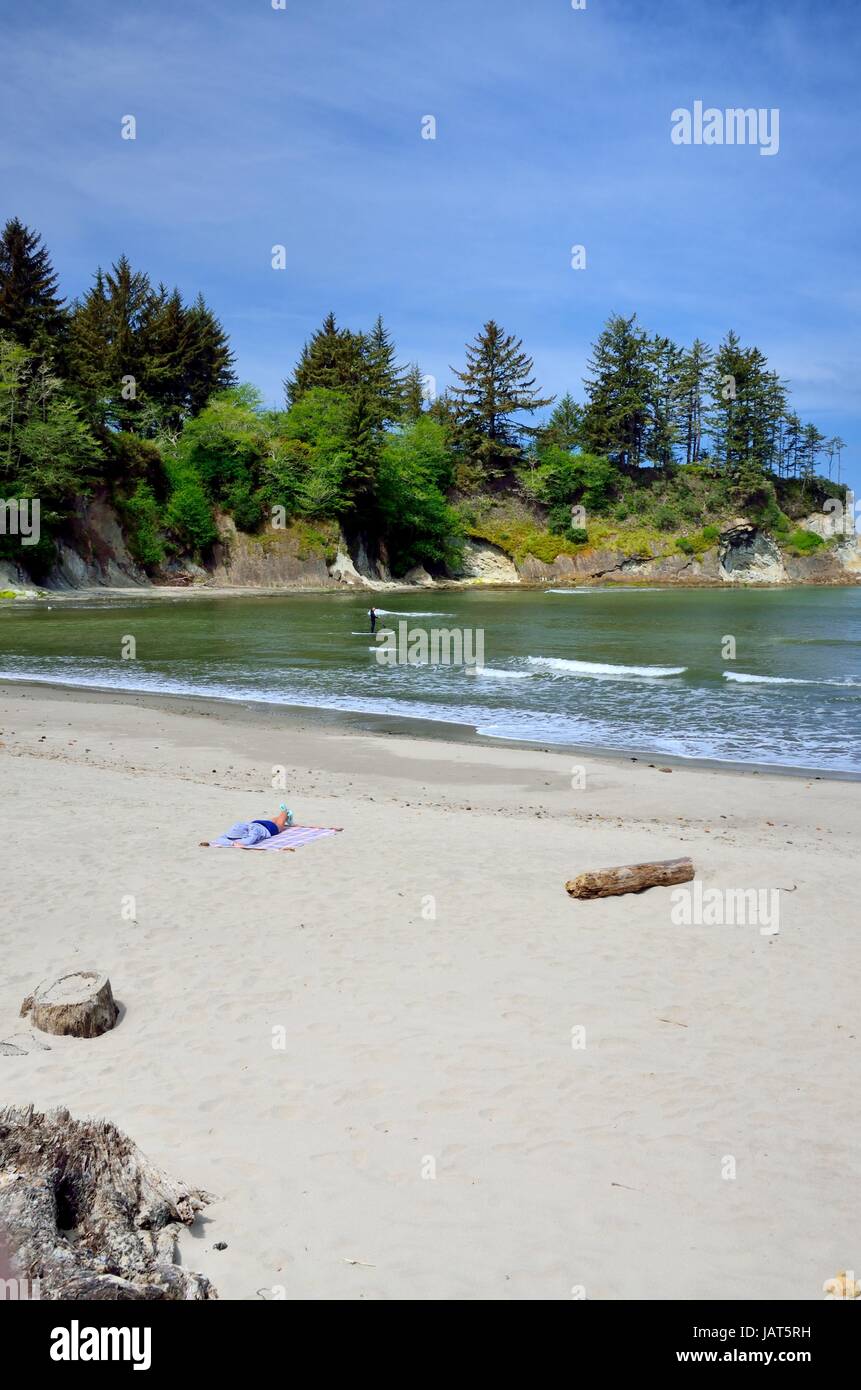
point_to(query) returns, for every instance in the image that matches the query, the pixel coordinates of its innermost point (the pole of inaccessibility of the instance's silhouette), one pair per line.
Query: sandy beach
(432, 1127)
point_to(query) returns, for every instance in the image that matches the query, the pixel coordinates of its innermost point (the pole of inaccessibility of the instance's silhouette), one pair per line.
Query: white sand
(410, 1039)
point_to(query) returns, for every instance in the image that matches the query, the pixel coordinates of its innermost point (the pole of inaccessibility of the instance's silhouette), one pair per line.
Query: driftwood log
(630, 878)
(81, 1004)
(83, 1211)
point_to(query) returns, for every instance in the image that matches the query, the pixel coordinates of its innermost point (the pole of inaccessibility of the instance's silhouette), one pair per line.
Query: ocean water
(635, 670)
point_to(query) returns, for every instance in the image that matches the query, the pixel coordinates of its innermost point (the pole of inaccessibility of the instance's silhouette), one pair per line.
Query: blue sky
(302, 126)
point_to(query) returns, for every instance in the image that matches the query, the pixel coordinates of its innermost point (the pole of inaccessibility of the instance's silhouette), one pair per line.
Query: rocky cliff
(301, 556)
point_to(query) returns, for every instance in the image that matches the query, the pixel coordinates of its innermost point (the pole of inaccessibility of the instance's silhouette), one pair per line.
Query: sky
(301, 127)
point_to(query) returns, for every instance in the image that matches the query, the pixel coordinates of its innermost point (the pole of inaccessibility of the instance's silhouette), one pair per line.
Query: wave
(495, 673)
(519, 724)
(412, 613)
(742, 678)
(601, 668)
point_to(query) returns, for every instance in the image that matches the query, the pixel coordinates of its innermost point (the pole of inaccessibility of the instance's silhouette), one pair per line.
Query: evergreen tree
(386, 379)
(333, 358)
(564, 429)
(664, 362)
(166, 333)
(619, 390)
(694, 369)
(497, 384)
(89, 336)
(363, 439)
(414, 394)
(813, 443)
(792, 444)
(835, 445)
(207, 360)
(106, 344)
(735, 422)
(141, 360)
(776, 400)
(31, 311)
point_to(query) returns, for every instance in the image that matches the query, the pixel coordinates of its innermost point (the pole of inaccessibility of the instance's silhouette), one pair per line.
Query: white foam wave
(494, 673)
(743, 678)
(601, 668)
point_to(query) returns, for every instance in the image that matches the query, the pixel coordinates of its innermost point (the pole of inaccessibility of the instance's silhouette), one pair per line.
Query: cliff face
(275, 559)
(302, 556)
(744, 554)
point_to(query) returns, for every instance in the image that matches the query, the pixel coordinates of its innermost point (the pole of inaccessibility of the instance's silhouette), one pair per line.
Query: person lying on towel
(246, 834)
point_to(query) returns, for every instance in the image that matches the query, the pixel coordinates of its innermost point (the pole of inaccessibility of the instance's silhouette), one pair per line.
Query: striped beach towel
(288, 839)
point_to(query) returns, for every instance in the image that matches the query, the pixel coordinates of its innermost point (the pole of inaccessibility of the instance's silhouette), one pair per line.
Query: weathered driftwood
(630, 878)
(81, 1004)
(84, 1211)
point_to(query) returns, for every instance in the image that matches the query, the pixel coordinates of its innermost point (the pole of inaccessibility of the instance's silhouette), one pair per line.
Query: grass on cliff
(803, 542)
(312, 539)
(654, 527)
(519, 531)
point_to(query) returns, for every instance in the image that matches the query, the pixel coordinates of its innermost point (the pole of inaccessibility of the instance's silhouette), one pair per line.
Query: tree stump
(81, 1004)
(85, 1212)
(630, 878)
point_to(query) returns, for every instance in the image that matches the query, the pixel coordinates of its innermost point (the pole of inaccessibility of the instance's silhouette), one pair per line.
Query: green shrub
(142, 515)
(665, 517)
(804, 542)
(686, 546)
(246, 505)
(189, 514)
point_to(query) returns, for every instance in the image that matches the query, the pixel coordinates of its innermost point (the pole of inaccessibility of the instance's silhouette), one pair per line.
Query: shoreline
(443, 731)
(91, 593)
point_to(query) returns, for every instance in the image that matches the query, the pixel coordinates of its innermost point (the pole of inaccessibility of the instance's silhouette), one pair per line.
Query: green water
(629, 669)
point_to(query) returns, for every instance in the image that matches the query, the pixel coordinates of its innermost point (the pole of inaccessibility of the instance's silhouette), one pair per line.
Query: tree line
(132, 388)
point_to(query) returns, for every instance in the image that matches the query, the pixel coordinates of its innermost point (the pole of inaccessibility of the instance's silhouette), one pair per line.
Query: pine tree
(363, 437)
(413, 403)
(729, 418)
(772, 405)
(564, 429)
(165, 347)
(619, 392)
(835, 445)
(30, 310)
(333, 358)
(694, 369)
(88, 347)
(386, 379)
(664, 362)
(207, 357)
(497, 384)
(792, 444)
(813, 443)
(105, 350)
